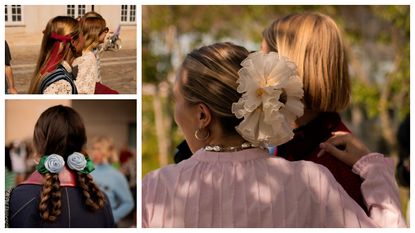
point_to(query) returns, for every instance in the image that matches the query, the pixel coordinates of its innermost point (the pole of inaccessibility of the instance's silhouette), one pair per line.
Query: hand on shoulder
(353, 150)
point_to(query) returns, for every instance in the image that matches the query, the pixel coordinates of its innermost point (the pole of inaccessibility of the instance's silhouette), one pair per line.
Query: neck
(227, 140)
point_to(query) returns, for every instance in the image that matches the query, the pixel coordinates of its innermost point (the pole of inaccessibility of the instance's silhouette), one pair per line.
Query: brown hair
(92, 25)
(313, 41)
(61, 25)
(60, 130)
(91, 14)
(209, 75)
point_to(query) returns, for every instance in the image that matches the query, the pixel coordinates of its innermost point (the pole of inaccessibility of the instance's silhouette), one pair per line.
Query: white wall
(21, 116)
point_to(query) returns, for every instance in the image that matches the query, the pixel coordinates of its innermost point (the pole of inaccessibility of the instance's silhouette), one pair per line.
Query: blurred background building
(25, 23)
(23, 32)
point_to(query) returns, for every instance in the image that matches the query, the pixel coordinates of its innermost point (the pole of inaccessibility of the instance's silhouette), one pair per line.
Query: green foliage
(367, 97)
(149, 141)
(398, 17)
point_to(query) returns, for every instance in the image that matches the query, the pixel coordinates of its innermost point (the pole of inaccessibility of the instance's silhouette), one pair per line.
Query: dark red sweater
(305, 146)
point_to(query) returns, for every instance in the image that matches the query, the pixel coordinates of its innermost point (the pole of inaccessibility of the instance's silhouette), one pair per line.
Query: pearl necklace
(222, 148)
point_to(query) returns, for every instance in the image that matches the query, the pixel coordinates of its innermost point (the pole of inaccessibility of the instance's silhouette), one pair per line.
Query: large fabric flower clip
(54, 163)
(271, 99)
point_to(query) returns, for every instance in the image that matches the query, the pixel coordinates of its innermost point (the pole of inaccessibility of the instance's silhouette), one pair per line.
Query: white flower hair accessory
(76, 161)
(54, 163)
(271, 99)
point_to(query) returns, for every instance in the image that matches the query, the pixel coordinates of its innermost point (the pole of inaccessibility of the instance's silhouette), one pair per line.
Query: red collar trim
(67, 178)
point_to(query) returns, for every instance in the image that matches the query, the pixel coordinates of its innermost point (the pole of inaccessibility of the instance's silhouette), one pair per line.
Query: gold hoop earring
(201, 138)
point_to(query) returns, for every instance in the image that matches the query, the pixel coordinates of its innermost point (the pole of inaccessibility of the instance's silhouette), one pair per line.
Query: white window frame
(128, 16)
(76, 10)
(9, 21)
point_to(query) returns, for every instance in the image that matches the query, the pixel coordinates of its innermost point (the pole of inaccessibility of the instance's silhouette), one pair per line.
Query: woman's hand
(353, 150)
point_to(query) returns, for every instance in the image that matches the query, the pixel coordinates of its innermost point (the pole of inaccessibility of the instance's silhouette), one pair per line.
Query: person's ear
(204, 115)
(73, 42)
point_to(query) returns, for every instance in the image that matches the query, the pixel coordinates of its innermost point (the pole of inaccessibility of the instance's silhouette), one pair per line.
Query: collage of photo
(207, 116)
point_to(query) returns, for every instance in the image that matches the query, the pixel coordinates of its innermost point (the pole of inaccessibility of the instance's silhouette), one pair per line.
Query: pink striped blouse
(251, 189)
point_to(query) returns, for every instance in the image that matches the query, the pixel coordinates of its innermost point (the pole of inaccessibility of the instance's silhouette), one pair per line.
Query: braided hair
(60, 130)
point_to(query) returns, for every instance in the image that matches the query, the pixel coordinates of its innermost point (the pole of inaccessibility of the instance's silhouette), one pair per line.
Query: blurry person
(10, 88)
(62, 42)
(128, 161)
(10, 176)
(94, 29)
(61, 192)
(111, 181)
(18, 157)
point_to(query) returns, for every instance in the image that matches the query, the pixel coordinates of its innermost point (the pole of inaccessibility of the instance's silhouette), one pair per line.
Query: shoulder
(310, 169)
(59, 87)
(116, 173)
(166, 175)
(85, 58)
(59, 81)
(301, 173)
(107, 173)
(24, 199)
(25, 190)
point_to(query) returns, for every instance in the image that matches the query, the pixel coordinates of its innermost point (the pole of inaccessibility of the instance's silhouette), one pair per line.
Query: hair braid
(94, 198)
(50, 198)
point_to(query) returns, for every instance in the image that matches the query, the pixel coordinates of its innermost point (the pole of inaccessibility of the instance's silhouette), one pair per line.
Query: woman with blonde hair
(62, 42)
(230, 105)
(61, 192)
(314, 43)
(94, 28)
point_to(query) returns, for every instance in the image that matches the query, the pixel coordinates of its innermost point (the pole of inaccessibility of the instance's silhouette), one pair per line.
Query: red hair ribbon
(54, 59)
(61, 38)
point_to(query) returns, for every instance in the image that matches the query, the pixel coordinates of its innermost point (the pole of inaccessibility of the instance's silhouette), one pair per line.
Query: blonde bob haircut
(92, 27)
(314, 42)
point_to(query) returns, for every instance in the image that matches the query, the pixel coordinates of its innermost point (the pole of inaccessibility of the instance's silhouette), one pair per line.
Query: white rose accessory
(76, 161)
(271, 99)
(54, 163)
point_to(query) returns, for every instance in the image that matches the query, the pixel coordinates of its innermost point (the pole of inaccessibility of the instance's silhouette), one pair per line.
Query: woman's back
(251, 189)
(24, 204)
